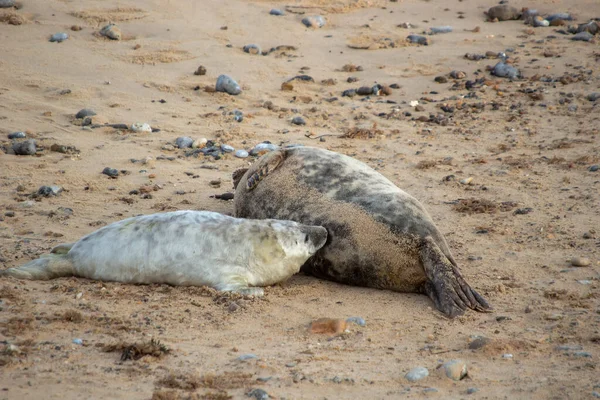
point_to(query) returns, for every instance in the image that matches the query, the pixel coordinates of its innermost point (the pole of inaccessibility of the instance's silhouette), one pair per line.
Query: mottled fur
(184, 248)
(378, 235)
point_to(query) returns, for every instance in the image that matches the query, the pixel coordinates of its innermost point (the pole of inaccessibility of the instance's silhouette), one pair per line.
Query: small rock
(111, 31)
(504, 70)
(298, 121)
(553, 317)
(472, 390)
(17, 135)
(262, 148)
(539, 21)
(441, 79)
(252, 49)
(25, 148)
(200, 143)
(580, 262)
(417, 39)
(562, 16)
(241, 154)
(430, 390)
(78, 341)
(349, 93)
(85, 112)
(479, 342)
(466, 181)
(258, 394)
(316, 21)
(112, 172)
(246, 357)
(233, 306)
(227, 148)
(503, 12)
(142, 127)
(331, 326)
(200, 71)
(228, 85)
(440, 29)
(7, 3)
(584, 36)
(455, 369)
(47, 191)
(593, 96)
(507, 356)
(277, 12)
(593, 168)
(596, 394)
(9, 214)
(59, 37)
(417, 374)
(224, 196)
(458, 74)
(184, 142)
(357, 320)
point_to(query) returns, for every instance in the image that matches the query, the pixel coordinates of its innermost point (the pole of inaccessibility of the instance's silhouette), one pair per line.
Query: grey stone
(593, 96)
(455, 369)
(357, 320)
(563, 16)
(593, 168)
(17, 135)
(7, 3)
(584, 36)
(252, 49)
(298, 121)
(25, 148)
(258, 394)
(48, 191)
(184, 142)
(472, 390)
(246, 357)
(226, 84)
(315, 21)
(504, 70)
(111, 31)
(112, 172)
(417, 39)
(59, 37)
(263, 147)
(85, 112)
(227, 148)
(277, 12)
(440, 29)
(241, 154)
(417, 374)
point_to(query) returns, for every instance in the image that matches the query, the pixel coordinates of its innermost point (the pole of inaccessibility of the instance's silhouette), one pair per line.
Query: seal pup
(378, 235)
(191, 248)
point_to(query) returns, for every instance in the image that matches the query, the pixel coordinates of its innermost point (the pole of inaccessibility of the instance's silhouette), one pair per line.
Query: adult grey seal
(378, 235)
(192, 248)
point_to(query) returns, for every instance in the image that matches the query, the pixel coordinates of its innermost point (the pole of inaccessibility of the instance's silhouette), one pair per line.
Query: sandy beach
(507, 168)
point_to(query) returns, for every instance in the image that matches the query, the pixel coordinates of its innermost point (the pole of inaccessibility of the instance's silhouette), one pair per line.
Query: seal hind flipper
(47, 267)
(264, 167)
(62, 248)
(445, 285)
(237, 176)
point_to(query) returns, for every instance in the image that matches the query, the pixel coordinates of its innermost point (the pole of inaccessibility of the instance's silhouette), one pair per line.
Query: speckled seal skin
(378, 235)
(191, 248)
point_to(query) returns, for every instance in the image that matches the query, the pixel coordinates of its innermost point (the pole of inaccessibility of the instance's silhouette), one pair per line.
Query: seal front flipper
(62, 248)
(263, 167)
(445, 285)
(240, 286)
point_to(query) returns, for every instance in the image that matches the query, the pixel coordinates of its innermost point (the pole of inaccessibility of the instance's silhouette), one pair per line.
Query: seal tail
(445, 285)
(47, 267)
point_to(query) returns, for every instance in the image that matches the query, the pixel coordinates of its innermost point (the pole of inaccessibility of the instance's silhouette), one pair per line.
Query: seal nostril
(305, 238)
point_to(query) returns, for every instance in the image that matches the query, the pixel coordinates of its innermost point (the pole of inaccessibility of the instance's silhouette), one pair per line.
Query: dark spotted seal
(378, 235)
(192, 248)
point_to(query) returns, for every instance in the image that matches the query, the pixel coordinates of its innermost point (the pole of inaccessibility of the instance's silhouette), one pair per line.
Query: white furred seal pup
(378, 235)
(191, 248)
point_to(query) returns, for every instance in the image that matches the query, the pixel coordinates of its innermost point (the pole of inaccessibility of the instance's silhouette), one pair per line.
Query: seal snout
(317, 235)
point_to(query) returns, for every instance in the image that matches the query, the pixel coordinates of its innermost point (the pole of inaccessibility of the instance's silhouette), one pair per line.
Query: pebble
(455, 369)
(17, 135)
(593, 168)
(246, 357)
(331, 326)
(199, 143)
(458, 74)
(539, 21)
(584, 36)
(417, 39)
(59, 37)
(505, 71)
(7, 3)
(226, 84)
(263, 147)
(25, 148)
(472, 390)
(417, 374)
(466, 181)
(441, 79)
(252, 49)
(78, 341)
(184, 142)
(258, 394)
(238, 116)
(241, 154)
(112, 172)
(200, 71)
(48, 191)
(85, 112)
(507, 356)
(111, 31)
(9, 214)
(357, 320)
(593, 96)
(580, 261)
(277, 12)
(503, 13)
(349, 93)
(141, 127)
(316, 21)
(563, 16)
(430, 390)
(596, 394)
(298, 121)
(227, 148)
(440, 29)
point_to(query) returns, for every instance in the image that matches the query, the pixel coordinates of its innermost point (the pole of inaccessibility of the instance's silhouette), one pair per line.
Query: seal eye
(306, 239)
